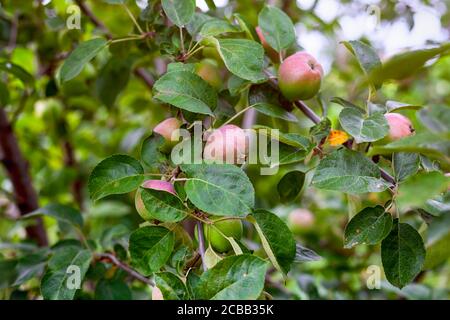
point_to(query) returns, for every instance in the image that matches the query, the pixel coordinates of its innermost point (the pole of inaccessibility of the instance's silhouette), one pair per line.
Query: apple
(399, 126)
(300, 220)
(155, 185)
(300, 76)
(231, 228)
(157, 294)
(167, 127)
(271, 52)
(208, 70)
(228, 144)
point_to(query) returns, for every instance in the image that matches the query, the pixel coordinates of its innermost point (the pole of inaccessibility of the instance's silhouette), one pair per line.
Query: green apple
(230, 228)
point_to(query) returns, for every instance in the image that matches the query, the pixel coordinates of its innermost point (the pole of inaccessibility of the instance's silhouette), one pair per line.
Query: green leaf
(150, 248)
(60, 212)
(4, 95)
(393, 106)
(345, 103)
(8, 273)
(246, 26)
(197, 22)
(152, 157)
(269, 101)
(436, 118)
(276, 238)
(234, 278)
(215, 27)
(405, 164)
(186, 90)
(369, 226)
(277, 28)
(402, 254)
(84, 53)
(180, 12)
(219, 189)
(290, 185)
(242, 57)
(171, 286)
(303, 254)
(163, 206)
(431, 144)
(112, 79)
(56, 283)
(112, 290)
(211, 257)
(367, 57)
(17, 71)
(30, 266)
(180, 66)
(362, 128)
(321, 130)
(407, 63)
(430, 184)
(350, 172)
(438, 237)
(115, 175)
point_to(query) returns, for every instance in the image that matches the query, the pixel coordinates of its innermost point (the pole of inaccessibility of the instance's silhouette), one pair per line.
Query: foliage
(83, 111)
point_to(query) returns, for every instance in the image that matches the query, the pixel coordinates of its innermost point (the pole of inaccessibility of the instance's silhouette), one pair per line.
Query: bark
(17, 169)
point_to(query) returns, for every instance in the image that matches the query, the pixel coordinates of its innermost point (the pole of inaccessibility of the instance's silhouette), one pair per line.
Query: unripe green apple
(271, 52)
(300, 76)
(300, 220)
(208, 70)
(399, 126)
(231, 228)
(228, 144)
(155, 185)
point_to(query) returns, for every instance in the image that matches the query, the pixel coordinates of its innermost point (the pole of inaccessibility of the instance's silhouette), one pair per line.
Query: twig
(113, 259)
(88, 12)
(201, 244)
(17, 168)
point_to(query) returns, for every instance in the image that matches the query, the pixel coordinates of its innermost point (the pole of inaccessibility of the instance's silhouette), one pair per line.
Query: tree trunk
(17, 169)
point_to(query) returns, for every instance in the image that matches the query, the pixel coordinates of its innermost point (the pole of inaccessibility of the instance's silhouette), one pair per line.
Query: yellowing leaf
(337, 137)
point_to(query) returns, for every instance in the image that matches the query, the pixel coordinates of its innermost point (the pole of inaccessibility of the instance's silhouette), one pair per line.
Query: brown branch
(113, 259)
(17, 169)
(95, 21)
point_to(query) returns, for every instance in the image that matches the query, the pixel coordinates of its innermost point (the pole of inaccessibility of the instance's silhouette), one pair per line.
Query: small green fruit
(231, 228)
(155, 185)
(208, 70)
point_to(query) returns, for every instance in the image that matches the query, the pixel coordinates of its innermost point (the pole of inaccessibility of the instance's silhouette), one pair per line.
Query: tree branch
(113, 259)
(17, 169)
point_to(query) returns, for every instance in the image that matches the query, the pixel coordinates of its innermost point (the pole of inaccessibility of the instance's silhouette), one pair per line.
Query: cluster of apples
(299, 78)
(224, 145)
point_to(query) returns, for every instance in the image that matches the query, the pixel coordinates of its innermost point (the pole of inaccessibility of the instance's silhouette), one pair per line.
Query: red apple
(167, 127)
(300, 76)
(300, 220)
(155, 185)
(228, 144)
(157, 294)
(399, 126)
